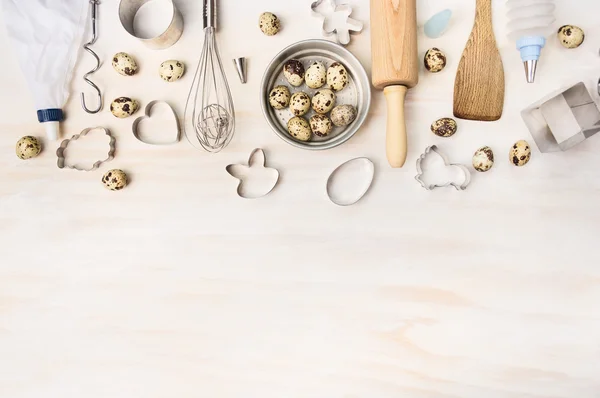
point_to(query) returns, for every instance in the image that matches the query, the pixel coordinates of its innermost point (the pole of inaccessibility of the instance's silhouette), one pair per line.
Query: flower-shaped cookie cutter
(60, 152)
(325, 9)
(148, 115)
(434, 151)
(257, 159)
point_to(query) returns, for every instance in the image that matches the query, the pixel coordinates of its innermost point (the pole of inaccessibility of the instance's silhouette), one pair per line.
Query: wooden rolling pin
(395, 66)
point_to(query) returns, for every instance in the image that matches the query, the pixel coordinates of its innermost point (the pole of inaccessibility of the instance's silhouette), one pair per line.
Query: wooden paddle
(479, 83)
(395, 66)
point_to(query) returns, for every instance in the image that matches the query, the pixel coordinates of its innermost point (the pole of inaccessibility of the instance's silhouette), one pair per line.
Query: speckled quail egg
(444, 127)
(269, 23)
(300, 103)
(323, 101)
(114, 179)
(316, 75)
(279, 97)
(435, 60)
(520, 153)
(124, 64)
(299, 128)
(337, 77)
(483, 159)
(570, 36)
(293, 70)
(343, 115)
(28, 147)
(171, 70)
(320, 125)
(123, 107)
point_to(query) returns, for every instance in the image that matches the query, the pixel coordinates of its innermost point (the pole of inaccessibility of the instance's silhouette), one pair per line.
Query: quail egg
(320, 125)
(269, 23)
(435, 60)
(323, 101)
(123, 107)
(316, 75)
(124, 64)
(293, 70)
(114, 179)
(299, 128)
(279, 97)
(171, 70)
(444, 127)
(570, 36)
(300, 103)
(520, 153)
(28, 147)
(343, 115)
(337, 77)
(483, 159)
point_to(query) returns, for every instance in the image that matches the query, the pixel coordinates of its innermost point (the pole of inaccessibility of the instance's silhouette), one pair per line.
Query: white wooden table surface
(175, 287)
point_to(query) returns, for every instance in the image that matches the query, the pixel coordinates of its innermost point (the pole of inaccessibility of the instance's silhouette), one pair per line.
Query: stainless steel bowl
(357, 93)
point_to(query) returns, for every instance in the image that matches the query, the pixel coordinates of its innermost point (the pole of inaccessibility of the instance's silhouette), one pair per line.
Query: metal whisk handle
(210, 14)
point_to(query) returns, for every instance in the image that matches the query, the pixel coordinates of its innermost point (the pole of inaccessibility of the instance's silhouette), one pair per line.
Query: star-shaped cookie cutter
(325, 9)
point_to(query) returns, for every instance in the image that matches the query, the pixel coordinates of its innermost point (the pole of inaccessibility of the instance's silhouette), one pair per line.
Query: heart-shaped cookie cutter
(342, 34)
(147, 115)
(60, 152)
(419, 177)
(251, 161)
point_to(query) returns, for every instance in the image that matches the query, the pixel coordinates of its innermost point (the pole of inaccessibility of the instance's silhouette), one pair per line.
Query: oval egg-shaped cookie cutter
(348, 191)
(60, 152)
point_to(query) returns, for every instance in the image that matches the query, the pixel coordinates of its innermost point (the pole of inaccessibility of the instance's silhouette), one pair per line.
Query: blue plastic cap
(50, 115)
(530, 47)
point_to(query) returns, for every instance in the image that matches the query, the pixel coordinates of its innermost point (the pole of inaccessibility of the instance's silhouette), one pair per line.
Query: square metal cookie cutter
(60, 152)
(325, 9)
(562, 119)
(434, 151)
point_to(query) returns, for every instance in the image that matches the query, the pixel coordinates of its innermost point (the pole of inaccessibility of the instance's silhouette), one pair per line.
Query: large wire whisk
(86, 46)
(209, 115)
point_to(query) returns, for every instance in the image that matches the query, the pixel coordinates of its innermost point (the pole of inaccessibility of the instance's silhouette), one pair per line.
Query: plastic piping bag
(47, 36)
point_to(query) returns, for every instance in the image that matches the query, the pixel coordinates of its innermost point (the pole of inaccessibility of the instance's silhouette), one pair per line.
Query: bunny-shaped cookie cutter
(420, 172)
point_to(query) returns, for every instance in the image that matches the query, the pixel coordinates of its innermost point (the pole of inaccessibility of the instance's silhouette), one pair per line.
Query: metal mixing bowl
(357, 93)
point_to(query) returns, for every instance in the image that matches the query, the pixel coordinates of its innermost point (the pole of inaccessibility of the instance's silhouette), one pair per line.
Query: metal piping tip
(530, 67)
(240, 66)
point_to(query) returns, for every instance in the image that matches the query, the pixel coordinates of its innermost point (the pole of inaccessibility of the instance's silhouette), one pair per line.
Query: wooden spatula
(479, 83)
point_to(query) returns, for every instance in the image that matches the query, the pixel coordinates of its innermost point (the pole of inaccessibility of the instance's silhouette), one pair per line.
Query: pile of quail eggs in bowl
(315, 94)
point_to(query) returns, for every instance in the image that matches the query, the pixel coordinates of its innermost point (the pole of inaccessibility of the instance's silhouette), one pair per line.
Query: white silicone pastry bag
(47, 36)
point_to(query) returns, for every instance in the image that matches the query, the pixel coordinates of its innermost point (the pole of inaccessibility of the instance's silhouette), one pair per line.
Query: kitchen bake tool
(127, 14)
(434, 171)
(60, 152)
(357, 93)
(342, 28)
(147, 115)
(479, 82)
(562, 119)
(350, 181)
(240, 67)
(256, 163)
(395, 66)
(437, 24)
(86, 47)
(209, 114)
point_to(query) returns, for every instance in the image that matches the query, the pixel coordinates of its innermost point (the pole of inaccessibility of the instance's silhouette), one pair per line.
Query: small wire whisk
(86, 46)
(209, 115)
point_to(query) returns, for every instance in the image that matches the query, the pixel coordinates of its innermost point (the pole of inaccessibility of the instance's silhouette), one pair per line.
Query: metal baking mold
(129, 8)
(60, 152)
(325, 9)
(460, 183)
(348, 191)
(357, 93)
(148, 115)
(562, 119)
(240, 171)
